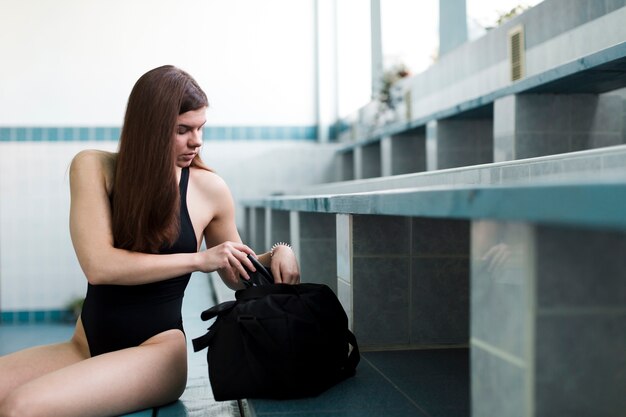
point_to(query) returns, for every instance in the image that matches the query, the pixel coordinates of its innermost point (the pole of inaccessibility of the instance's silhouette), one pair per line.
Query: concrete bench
(603, 162)
(530, 277)
(561, 109)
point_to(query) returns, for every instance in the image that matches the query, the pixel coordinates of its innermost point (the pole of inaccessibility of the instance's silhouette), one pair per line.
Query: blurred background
(279, 75)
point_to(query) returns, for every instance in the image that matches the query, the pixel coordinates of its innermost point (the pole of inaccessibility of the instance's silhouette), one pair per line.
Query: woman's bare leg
(23, 366)
(115, 383)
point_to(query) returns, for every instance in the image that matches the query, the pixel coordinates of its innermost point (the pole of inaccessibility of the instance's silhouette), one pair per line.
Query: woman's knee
(18, 403)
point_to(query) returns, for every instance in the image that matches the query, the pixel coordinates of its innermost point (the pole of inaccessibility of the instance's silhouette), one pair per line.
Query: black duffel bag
(278, 341)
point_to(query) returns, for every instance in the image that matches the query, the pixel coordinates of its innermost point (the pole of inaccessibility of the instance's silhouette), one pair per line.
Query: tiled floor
(419, 383)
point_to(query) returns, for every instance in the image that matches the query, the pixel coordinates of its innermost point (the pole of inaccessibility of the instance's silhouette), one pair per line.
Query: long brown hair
(145, 199)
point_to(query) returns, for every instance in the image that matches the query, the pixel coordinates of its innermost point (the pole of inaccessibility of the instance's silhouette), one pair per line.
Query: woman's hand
(229, 257)
(285, 266)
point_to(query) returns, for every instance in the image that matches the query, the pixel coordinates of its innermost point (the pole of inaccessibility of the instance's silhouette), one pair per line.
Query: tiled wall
(318, 248)
(39, 273)
(530, 125)
(38, 268)
(405, 281)
(548, 320)
(58, 134)
(460, 142)
(69, 133)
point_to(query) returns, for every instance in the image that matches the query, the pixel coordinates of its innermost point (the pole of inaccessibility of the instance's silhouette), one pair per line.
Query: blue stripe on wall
(109, 133)
(38, 316)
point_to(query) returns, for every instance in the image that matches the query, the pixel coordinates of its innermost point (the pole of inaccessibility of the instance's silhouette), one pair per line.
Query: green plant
(75, 306)
(515, 11)
(390, 77)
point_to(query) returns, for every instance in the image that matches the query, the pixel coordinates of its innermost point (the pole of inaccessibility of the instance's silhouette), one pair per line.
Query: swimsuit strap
(184, 180)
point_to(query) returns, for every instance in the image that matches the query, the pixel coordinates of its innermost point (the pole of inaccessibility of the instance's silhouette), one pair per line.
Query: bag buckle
(245, 318)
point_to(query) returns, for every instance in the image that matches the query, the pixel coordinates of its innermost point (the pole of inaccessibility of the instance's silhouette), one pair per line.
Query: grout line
(411, 281)
(578, 311)
(531, 316)
(396, 387)
(514, 360)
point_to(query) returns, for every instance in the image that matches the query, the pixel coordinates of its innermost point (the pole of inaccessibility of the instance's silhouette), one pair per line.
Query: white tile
(344, 247)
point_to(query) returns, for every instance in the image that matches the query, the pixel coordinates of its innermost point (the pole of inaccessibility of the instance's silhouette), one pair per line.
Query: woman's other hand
(285, 266)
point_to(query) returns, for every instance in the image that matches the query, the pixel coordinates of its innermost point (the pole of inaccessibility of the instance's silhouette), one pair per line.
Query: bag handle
(216, 310)
(262, 275)
(266, 275)
(353, 359)
(252, 293)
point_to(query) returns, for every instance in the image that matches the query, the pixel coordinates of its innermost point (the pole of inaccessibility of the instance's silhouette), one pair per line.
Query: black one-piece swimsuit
(120, 316)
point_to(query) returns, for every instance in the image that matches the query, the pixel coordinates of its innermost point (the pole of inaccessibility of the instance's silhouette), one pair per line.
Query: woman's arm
(90, 229)
(223, 228)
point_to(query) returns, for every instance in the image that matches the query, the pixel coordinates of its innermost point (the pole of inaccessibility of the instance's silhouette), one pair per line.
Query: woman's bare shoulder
(209, 182)
(95, 162)
(212, 189)
(91, 156)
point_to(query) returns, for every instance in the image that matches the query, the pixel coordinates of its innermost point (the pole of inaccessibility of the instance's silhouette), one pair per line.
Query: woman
(137, 220)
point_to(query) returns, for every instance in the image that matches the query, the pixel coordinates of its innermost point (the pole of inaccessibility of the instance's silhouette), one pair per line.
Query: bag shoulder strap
(202, 342)
(216, 310)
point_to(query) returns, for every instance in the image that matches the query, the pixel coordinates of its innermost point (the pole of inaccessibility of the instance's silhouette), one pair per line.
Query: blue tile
(39, 316)
(381, 235)
(100, 133)
(449, 412)
(206, 133)
(20, 134)
(437, 390)
(56, 315)
(366, 394)
(420, 362)
(55, 134)
(221, 133)
(440, 300)
(436, 237)
(381, 321)
(435, 379)
(14, 337)
(67, 134)
(5, 134)
(354, 413)
(311, 133)
(83, 134)
(36, 134)
(115, 133)
(7, 317)
(23, 317)
(70, 133)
